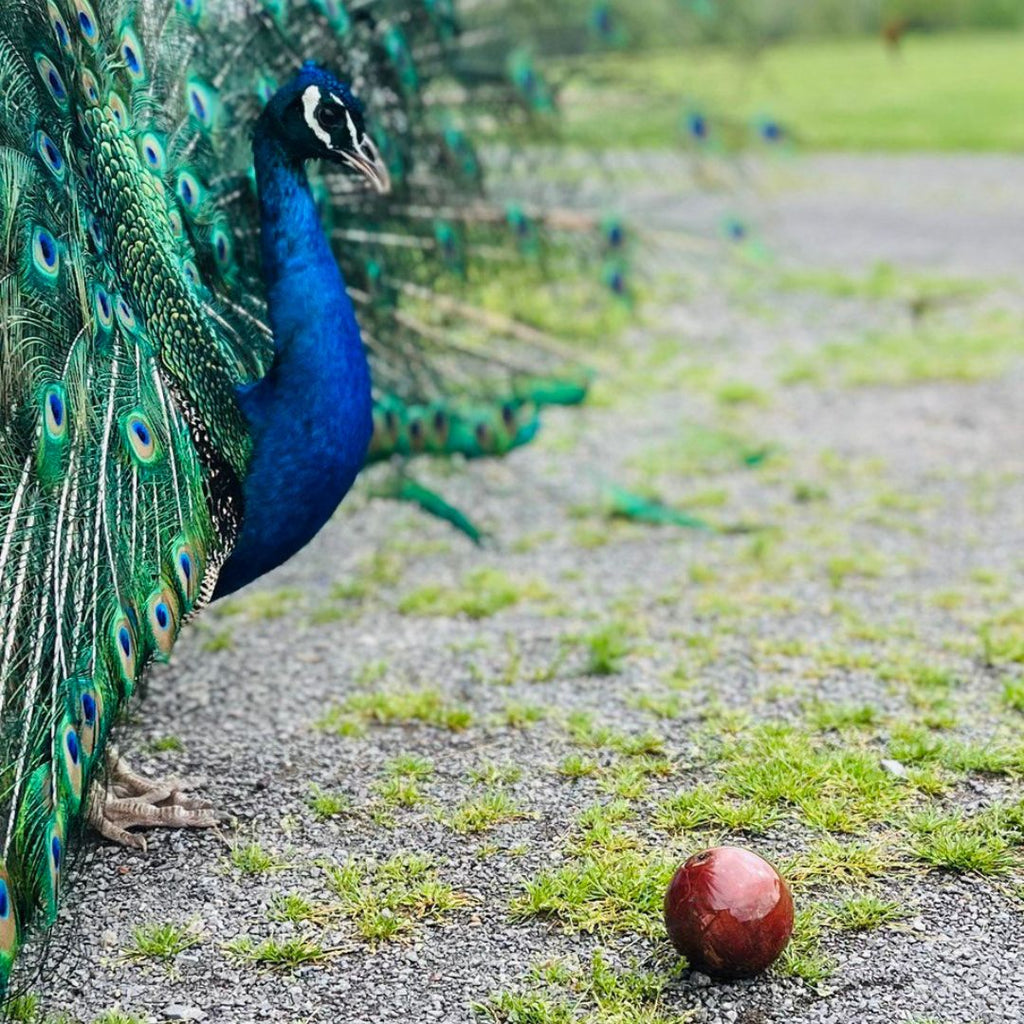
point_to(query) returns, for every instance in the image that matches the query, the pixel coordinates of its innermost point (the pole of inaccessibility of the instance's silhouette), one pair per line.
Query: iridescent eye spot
(153, 152)
(45, 254)
(55, 413)
(201, 102)
(124, 648)
(55, 853)
(186, 568)
(50, 154)
(482, 434)
(163, 618)
(90, 87)
(130, 52)
(87, 23)
(56, 410)
(191, 273)
(89, 723)
(60, 29)
(104, 310)
(47, 248)
(5, 900)
(118, 109)
(141, 441)
(72, 765)
(177, 227)
(52, 80)
(221, 247)
(126, 315)
(71, 743)
(189, 191)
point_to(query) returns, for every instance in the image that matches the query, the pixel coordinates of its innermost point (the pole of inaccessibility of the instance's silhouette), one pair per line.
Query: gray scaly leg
(129, 800)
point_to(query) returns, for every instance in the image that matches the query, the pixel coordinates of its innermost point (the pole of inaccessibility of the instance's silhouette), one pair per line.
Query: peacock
(241, 243)
(234, 239)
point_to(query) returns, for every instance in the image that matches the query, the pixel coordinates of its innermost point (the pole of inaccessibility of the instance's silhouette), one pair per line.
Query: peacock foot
(127, 800)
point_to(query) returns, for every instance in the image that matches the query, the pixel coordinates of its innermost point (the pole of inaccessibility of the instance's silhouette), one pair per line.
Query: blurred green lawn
(951, 92)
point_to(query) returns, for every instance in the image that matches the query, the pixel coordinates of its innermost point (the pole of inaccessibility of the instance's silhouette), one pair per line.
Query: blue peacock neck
(311, 416)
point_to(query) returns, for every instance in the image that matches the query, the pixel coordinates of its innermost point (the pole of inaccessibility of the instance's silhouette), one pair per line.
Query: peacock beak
(369, 163)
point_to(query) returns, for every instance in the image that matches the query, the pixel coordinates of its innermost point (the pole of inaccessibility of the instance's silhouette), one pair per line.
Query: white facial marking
(363, 145)
(352, 130)
(310, 102)
(353, 133)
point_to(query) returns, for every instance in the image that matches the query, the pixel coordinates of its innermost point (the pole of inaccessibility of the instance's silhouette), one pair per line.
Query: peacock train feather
(209, 324)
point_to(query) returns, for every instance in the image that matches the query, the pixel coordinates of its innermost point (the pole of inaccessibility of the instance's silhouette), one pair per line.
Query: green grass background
(953, 92)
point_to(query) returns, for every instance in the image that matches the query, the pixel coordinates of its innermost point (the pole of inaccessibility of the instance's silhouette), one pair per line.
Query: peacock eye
(330, 116)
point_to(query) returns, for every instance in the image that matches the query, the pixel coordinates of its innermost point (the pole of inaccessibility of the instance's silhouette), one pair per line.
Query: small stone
(700, 980)
(177, 1011)
(896, 768)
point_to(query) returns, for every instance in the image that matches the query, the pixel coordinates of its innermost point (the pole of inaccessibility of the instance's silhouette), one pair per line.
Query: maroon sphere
(729, 912)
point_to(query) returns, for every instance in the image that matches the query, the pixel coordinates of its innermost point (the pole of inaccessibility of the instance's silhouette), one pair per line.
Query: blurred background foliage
(860, 75)
(653, 23)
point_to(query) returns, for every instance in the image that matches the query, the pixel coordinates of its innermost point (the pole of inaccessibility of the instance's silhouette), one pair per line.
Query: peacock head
(316, 117)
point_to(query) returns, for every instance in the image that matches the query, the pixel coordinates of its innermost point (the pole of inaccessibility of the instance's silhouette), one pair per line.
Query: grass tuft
(277, 954)
(251, 859)
(483, 813)
(396, 707)
(161, 941)
(482, 593)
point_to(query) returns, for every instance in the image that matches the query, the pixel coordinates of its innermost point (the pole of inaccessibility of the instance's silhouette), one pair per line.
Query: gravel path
(893, 507)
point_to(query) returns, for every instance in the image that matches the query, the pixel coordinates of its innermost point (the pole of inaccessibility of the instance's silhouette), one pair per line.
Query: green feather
(627, 505)
(399, 487)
